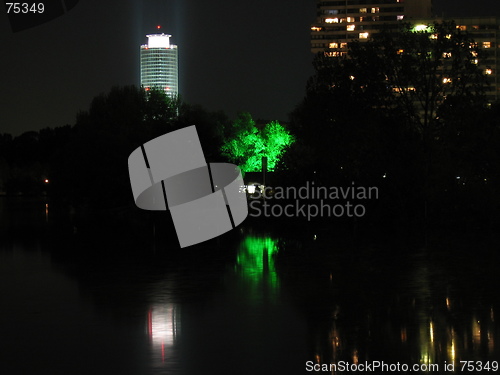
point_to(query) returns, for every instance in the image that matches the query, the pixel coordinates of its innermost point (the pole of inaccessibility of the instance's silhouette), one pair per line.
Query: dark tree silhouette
(405, 111)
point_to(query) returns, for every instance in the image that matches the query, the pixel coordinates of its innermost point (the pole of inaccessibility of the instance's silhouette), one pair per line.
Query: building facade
(343, 21)
(159, 64)
(485, 31)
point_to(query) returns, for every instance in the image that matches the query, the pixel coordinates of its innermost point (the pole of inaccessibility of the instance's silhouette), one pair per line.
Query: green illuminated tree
(245, 143)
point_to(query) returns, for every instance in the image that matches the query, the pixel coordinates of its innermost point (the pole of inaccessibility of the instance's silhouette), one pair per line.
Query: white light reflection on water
(163, 330)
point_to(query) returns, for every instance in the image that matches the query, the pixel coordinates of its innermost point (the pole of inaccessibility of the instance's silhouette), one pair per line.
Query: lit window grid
(364, 17)
(329, 36)
(357, 30)
(489, 42)
(159, 68)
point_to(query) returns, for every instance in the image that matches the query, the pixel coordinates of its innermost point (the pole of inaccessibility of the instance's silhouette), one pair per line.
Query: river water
(259, 301)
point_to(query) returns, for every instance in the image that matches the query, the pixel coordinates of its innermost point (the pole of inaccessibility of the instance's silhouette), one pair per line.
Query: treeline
(406, 112)
(26, 161)
(85, 165)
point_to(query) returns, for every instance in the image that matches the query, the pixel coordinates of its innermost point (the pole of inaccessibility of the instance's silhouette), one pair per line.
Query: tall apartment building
(159, 64)
(342, 21)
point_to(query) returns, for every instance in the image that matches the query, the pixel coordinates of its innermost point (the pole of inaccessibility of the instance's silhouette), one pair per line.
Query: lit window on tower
(335, 54)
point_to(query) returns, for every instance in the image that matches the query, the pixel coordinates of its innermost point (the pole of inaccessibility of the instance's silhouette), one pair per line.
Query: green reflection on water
(255, 261)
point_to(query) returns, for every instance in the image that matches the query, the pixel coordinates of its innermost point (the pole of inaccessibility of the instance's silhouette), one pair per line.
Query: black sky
(234, 55)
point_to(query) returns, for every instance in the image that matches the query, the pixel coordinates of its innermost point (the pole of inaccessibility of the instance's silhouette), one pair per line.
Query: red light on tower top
(158, 27)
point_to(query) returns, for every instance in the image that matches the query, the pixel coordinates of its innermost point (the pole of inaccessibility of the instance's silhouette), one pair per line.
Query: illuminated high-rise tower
(159, 64)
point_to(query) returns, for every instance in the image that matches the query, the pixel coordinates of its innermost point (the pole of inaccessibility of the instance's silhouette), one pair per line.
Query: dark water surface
(254, 302)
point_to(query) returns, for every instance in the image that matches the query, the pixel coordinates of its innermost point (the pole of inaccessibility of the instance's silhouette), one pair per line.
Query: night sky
(233, 55)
